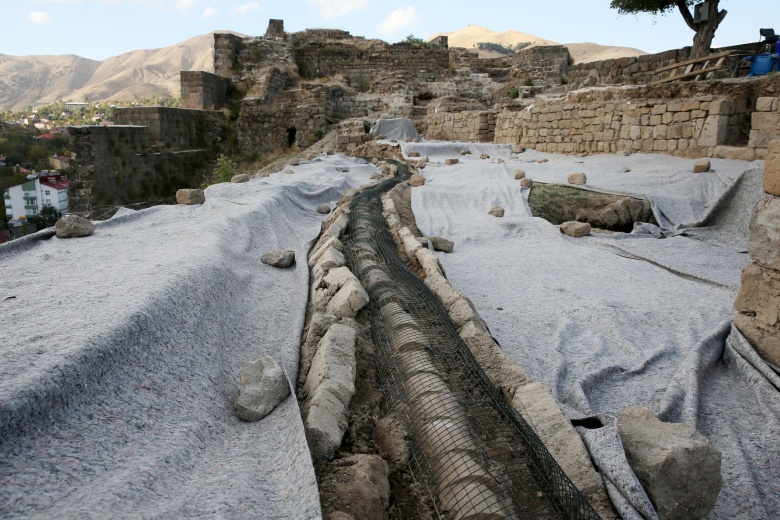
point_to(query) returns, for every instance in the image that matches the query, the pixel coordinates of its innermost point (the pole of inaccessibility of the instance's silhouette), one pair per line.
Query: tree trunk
(705, 31)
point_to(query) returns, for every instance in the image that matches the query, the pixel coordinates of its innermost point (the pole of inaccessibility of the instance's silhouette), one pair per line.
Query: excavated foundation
(474, 454)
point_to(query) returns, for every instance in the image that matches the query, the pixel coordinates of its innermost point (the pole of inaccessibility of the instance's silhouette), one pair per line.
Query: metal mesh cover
(475, 455)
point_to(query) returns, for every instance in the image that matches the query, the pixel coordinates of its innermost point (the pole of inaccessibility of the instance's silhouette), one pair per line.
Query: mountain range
(40, 80)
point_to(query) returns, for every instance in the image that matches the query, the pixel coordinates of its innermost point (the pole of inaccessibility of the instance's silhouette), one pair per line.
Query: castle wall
(174, 128)
(202, 90)
(682, 119)
(114, 166)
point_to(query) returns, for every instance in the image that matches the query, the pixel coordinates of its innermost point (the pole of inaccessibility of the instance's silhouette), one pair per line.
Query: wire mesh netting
(475, 455)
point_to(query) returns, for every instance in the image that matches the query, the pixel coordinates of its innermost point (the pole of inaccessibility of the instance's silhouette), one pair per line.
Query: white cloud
(397, 20)
(183, 6)
(336, 8)
(245, 8)
(208, 13)
(39, 17)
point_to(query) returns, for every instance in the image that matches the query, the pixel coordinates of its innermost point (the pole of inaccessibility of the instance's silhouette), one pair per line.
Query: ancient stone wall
(226, 47)
(453, 121)
(116, 165)
(758, 301)
(174, 128)
(680, 119)
(545, 66)
(202, 90)
(359, 61)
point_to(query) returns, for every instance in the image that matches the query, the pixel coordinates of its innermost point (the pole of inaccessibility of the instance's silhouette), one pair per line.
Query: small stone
(484, 156)
(526, 183)
(323, 209)
(701, 166)
(294, 162)
(625, 169)
(288, 172)
(497, 161)
(519, 174)
(450, 161)
(263, 386)
(496, 211)
(465, 152)
(73, 226)
(416, 180)
(442, 244)
(542, 161)
(380, 137)
(279, 258)
(575, 229)
(343, 169)
(413, 154)
(577, 178)
(623, 153)
(241, 177)
(677, 466)
(518, 149)
(190, 197)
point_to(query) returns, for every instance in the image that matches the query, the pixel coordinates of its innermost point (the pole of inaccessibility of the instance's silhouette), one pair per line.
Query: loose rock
(190, 197)
(279, 258)
(701, 166)
(518, 149)
(323, 209)
(519, 174)
(416, 180)
(294, 162)
(450, 161)
(343, 169)
(442, 244)
(496, 211)
(526, 183)
(623, 153)
(363, 487)
(263, 386)
(73, 226)
(625, 169)
(288, 172)
(241, 177)
(577, 178)
(542, 161)
(575, 229)
(677, 466)
(413, 154)
(465, 152)
(497, 160)
(484, 156)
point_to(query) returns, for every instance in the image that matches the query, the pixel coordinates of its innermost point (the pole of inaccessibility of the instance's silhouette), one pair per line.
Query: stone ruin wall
(758, 301)
(149, 154)
(546, 66)
(202, 90)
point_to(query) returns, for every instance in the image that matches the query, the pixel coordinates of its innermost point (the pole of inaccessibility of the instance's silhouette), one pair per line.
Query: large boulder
(442, 244)
(677, 466)
(575, 229)
(263, 386)
(577, 178)
(73, 226)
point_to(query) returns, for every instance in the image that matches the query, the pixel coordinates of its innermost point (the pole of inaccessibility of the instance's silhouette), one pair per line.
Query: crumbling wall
(202, 90)
(174, 128)
(456, 120)
(546, 65)
(758, 301)
(117, 165)
(226, 46)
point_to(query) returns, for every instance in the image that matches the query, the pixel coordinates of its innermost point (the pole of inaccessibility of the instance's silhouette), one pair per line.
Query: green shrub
(514, 93)
(225, 170)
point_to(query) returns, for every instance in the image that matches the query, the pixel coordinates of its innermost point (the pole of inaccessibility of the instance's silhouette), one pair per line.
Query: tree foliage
(705, 31)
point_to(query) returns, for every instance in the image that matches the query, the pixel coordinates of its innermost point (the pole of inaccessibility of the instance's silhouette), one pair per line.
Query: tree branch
(686, 14)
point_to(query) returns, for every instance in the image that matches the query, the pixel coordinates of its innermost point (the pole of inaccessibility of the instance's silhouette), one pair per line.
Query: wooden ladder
(697, 68)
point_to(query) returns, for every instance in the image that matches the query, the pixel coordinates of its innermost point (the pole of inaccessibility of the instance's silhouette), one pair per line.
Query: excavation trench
(475, 456)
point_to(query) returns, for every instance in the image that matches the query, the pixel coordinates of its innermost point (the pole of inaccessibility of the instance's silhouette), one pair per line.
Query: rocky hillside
(39, 80)
(471, 35)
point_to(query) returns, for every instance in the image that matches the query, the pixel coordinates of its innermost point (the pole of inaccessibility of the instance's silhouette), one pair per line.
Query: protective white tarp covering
(395, 129)
(612, 321)
(120, 357)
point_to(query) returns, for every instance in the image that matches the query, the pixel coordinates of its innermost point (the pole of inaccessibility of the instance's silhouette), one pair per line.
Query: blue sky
(98, 29)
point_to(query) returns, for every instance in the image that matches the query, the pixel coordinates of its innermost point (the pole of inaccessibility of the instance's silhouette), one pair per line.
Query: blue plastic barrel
(761, 64)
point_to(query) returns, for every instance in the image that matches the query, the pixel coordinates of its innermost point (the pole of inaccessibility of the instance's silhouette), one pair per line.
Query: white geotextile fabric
(614, 321)
(121, 351)
(398, 129)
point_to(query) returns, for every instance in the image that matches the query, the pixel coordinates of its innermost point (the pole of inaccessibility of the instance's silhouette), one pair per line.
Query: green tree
(50, 215)
(705, 30)
(225, 170)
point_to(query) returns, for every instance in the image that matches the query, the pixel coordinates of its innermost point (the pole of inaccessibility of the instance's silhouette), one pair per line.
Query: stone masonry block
(772, 169)
(764, 239)
(758, 304)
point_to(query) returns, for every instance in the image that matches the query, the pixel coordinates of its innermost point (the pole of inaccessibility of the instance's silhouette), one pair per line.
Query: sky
(98, 29)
